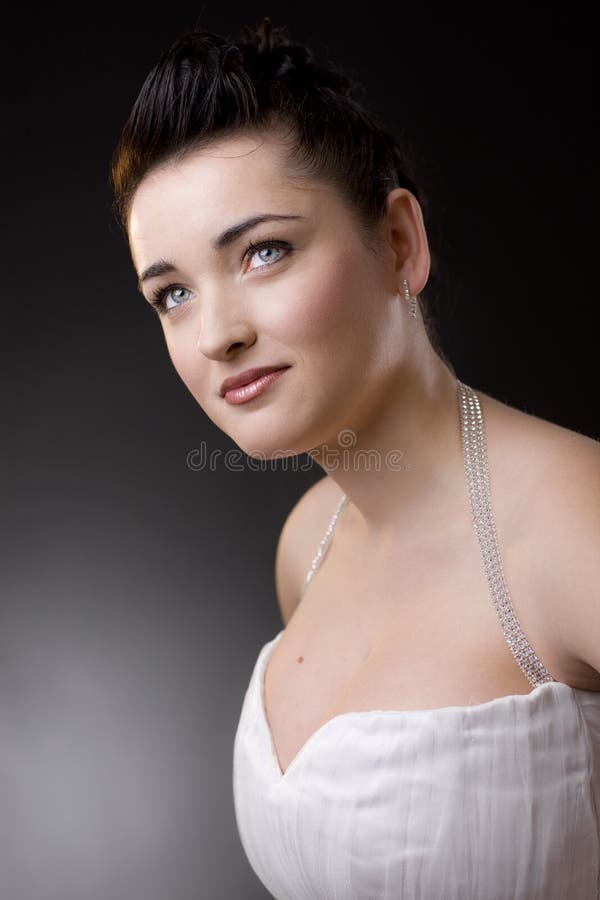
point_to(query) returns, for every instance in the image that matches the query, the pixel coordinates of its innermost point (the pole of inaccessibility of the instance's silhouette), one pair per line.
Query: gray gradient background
(135, 592)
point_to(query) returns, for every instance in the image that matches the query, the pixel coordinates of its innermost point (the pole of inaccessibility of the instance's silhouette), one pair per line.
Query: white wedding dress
(494, 801)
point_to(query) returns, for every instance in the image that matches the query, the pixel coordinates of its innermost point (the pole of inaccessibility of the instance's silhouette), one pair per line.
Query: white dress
(494, 801)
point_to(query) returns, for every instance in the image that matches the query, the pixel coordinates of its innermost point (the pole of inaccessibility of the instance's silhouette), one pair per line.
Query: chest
(420, 633)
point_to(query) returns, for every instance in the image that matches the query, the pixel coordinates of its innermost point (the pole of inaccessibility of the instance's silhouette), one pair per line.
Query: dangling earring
(409, 299)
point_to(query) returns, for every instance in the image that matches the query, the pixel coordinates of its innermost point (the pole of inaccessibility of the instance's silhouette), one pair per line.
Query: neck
(405, 464)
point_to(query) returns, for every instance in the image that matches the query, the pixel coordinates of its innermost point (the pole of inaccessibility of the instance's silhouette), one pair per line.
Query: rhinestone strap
(324, 544)
(475, 455)
(479, 494)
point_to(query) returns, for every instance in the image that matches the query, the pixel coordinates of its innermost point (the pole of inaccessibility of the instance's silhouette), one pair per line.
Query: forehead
(215, 185)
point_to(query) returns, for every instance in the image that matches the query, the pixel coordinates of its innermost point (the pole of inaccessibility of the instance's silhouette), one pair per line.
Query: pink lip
(247, 376)
(253, 388)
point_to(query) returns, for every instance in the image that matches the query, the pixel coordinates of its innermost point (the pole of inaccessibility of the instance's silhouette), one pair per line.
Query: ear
(405, 233)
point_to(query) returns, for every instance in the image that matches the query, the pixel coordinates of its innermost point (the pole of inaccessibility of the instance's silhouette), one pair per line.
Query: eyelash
(159, 296)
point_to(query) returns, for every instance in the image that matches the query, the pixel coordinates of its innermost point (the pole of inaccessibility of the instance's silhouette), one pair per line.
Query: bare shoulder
(539, 463)
(552, 474)
(299, 539)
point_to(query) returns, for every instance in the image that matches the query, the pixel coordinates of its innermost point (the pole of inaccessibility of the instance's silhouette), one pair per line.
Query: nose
(224, 328)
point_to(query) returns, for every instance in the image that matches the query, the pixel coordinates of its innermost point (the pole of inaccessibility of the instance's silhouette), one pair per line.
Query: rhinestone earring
(409, 298)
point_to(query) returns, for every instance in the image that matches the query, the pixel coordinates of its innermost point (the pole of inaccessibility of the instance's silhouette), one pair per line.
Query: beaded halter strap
(476, 467)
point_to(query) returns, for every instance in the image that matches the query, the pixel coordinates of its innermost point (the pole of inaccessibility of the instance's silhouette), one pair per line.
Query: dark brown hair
(205, 87)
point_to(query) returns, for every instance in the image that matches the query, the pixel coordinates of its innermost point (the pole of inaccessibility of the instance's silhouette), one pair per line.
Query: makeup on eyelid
(159, 296)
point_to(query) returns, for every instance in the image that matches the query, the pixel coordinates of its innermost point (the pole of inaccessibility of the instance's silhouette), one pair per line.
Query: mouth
(249, 384)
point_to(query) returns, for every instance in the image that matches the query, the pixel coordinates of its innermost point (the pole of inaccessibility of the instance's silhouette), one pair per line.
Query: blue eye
(180, 295)
(266, 259)
(270, 244)
(160, 297)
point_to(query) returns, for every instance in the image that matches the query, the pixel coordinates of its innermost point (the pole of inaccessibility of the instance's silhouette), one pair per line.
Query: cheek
(316, 313)
(188, 363)
(326, 303)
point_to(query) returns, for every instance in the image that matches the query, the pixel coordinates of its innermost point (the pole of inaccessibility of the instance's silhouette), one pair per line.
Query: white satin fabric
(495, 801)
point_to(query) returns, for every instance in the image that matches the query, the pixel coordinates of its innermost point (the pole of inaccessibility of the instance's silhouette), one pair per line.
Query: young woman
(427, 723)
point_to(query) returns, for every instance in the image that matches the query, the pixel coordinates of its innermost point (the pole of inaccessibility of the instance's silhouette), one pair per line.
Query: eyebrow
(227, 237)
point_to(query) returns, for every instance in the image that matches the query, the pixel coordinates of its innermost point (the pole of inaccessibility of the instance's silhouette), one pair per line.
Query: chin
(277, 434)
(287, 446)
(266, 451)
(266, 455)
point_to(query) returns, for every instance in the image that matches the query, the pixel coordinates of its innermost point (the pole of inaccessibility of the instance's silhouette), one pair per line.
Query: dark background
(135, 592)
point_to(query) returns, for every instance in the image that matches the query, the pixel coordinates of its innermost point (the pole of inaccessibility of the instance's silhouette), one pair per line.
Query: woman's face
(310, 295)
